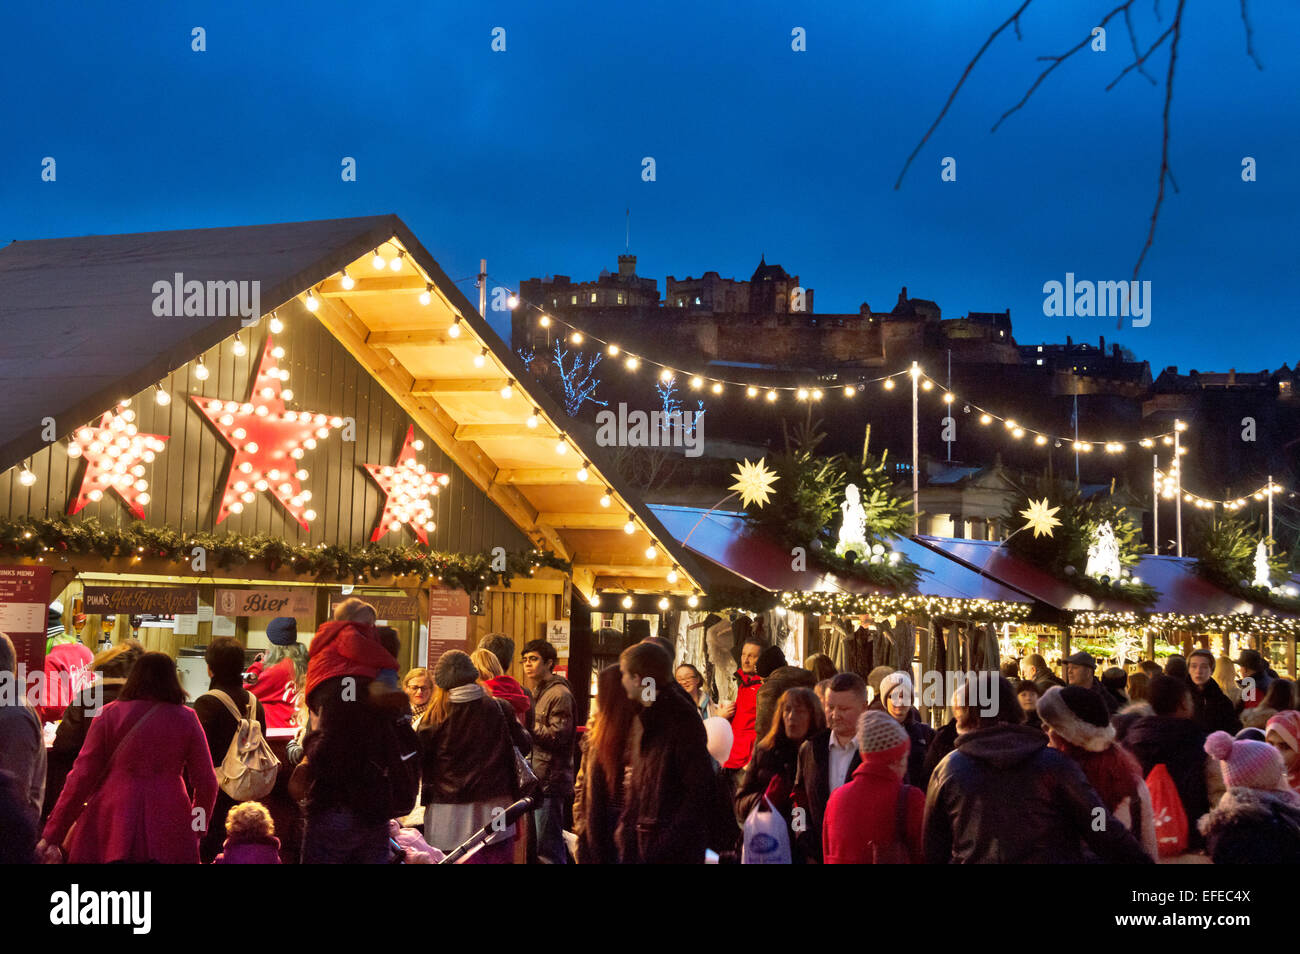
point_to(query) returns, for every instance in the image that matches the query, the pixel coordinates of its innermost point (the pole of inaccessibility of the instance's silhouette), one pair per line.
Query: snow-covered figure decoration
(1103, 554)
(1261, 566)
(853, 528)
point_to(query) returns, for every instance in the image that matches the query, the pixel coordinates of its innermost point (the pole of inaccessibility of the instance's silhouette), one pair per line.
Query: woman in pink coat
(127, 792)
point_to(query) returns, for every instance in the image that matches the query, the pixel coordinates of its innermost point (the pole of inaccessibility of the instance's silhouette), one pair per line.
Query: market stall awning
(724, 538)
(82, 331)
(1184, 591)
(989, 559)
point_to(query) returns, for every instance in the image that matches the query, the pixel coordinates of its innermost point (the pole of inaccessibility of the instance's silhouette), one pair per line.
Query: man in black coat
(827, 760)
(668, 809)
(1081, 670)
(1004, 797)
(1212, 710)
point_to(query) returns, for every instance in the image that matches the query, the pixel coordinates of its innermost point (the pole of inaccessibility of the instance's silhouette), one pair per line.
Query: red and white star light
(269, 441)
(407, 485)
(115, 453)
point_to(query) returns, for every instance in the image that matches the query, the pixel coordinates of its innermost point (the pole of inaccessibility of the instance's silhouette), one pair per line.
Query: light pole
(916, 454)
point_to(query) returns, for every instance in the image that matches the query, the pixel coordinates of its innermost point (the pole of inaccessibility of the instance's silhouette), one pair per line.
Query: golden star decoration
(1041, 519)
(754, 483)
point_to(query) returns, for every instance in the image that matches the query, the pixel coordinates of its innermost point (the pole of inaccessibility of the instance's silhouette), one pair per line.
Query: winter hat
(875, 676)
(893, 681)
(454, 669)
(880, 737)
(1287, 726)
(1251, 734)
(770, 660)
(1080, 658)
(282, 631)
(1078, 716)
(1252, 660)
(1246, 764)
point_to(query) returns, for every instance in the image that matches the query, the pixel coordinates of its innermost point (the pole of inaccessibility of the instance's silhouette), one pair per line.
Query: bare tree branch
(1015, 17)
(1057, 61)
(1133, 41)
(1141, 59)
(1250, 46)
(1164, 139)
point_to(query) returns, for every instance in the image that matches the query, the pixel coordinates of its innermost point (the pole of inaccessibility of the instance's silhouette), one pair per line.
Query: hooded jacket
(1003, 797)
(554, 736)
(344, 648)
(508, 689)
(1179, 745)
(1213, 710)
(1252, 826)
(250, 851)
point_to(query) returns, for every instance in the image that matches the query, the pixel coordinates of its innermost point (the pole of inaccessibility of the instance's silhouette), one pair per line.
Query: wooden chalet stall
(301, 408)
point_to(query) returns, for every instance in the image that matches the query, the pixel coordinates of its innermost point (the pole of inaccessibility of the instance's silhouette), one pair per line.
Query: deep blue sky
(529, 157)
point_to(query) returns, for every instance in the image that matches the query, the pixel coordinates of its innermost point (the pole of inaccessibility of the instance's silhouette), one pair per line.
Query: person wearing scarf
(1078, 724)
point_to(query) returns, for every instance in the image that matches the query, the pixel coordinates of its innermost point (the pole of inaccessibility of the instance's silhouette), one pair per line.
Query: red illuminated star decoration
(115, 453)
(407, 486)
(268, 440)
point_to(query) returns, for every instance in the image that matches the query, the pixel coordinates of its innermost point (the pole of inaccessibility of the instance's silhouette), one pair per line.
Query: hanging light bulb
(347, 281)
(986, 419)
(693, 601)
(312, 303)
(396, 263)
(26, 477)
(606, 500)
(239, 347)
(633, 362)
(751, 391)
(889, 384)
(672, 575)
(378, 260)
(508, 391)
(697, 382)
(582, 471)
(454, 330)
(663, 602)
(480, 359)
(576, 337)
(533, 419)
(717, 387)
(666, 374)
(627, 601)
(161, 396)
(561, 446)
(926, 385)
(201, 370)
(512, 302)
(612, 351)
(850, 390)
(651, 552)
(275, 324)
(629, 527)
(771, 396)
(594, 602)
(544, 321)
(426, 296)
(74, 449)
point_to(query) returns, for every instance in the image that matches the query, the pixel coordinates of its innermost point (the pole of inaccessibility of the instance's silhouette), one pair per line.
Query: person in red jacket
(275, 675)
(346, 646)
(742, 711)
(875, 817)
(67, 667)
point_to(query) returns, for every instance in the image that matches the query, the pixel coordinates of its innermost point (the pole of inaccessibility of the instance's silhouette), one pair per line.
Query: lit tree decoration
(115, 453)
(407, 486)
(1103, 554)
(753, 483)
(576, 379)
(1261, 566)
(853, 527)
(1040, 518)
(268, 440)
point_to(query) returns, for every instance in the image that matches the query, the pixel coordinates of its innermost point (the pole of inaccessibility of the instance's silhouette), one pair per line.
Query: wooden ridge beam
(428, 336)
(410, 283)
(432, 387)
(478, 432)
(542, 477)
(583, 521)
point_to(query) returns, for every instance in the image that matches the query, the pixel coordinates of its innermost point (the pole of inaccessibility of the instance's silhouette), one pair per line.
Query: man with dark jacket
(1004, 797)
(1212, 710)
(1081, 670)
(553, 740)
(1040, 675)
(1256, 677)
(1172, 738)
(666, 816)
(827, 760)
(225, 659)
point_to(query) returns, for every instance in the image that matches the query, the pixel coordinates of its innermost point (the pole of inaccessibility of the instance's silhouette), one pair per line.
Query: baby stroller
(467, 848)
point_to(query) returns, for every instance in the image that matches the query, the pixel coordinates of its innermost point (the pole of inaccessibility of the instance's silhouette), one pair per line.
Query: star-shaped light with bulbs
(754, 483)
(268, 440)
(407, 486)
(115, 452)
(1041, 519)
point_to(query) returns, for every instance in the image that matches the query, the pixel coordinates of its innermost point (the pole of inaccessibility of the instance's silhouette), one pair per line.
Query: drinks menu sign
(386, 607)
(448, 623)
(24, 602)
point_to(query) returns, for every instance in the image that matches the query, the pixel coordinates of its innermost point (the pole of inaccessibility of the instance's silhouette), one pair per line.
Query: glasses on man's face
(532, 659)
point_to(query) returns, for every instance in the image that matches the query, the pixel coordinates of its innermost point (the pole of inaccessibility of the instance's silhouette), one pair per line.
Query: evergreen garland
(36, 537)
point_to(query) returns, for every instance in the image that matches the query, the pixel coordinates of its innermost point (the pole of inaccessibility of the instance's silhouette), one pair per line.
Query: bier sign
(142, 600)
(298, 602)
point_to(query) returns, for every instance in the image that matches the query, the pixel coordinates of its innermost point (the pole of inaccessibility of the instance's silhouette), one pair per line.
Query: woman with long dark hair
(771, 771)
(600, 789)
(126, 793)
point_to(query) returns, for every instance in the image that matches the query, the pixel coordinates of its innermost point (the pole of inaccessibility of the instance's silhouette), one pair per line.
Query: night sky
(530, 157)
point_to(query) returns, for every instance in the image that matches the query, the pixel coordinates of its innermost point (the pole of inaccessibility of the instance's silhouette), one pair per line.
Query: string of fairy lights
(632, 362)
(1167, 485)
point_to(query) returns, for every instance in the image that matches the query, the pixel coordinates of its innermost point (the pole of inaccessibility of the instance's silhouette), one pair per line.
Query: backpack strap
(228, 702)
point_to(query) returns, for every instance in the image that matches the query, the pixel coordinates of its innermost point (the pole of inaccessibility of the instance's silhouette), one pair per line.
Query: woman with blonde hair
(493, 678)
(1225, 674)
(418, 685)
(487, 664)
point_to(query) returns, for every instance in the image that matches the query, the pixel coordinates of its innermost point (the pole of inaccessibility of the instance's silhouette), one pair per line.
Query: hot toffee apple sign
(269, 441)
(115, 452)
(407, 486)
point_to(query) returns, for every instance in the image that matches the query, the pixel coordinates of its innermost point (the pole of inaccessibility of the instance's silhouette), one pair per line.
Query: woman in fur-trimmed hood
(1078, 725)
(1258, 819)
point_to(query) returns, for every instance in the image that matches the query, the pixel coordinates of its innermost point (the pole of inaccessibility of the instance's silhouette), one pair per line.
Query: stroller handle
(511, 815)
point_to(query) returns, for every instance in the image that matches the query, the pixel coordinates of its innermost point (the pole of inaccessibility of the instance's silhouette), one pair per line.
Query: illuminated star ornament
(115, 453)
(1040, 518)
(268, 441)
(753, 483)
(407, 486)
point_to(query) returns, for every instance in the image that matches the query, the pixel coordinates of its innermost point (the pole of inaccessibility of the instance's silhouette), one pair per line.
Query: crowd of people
(1194, 761)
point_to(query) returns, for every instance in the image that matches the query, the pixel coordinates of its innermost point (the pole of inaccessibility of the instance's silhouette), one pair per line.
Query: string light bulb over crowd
(1167, 485)
(773, 393)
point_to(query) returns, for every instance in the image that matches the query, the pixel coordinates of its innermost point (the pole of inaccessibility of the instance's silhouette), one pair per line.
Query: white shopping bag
(767, 840)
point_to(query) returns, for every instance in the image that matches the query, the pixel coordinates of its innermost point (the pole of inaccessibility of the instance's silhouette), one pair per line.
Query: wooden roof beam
(432, 387)
(409, 283)
(435, 335)
(541, 477)
(583, 521)
(479, 432)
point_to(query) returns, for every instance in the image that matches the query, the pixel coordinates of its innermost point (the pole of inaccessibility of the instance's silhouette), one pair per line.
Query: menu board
(24, 608)
(448, 623)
